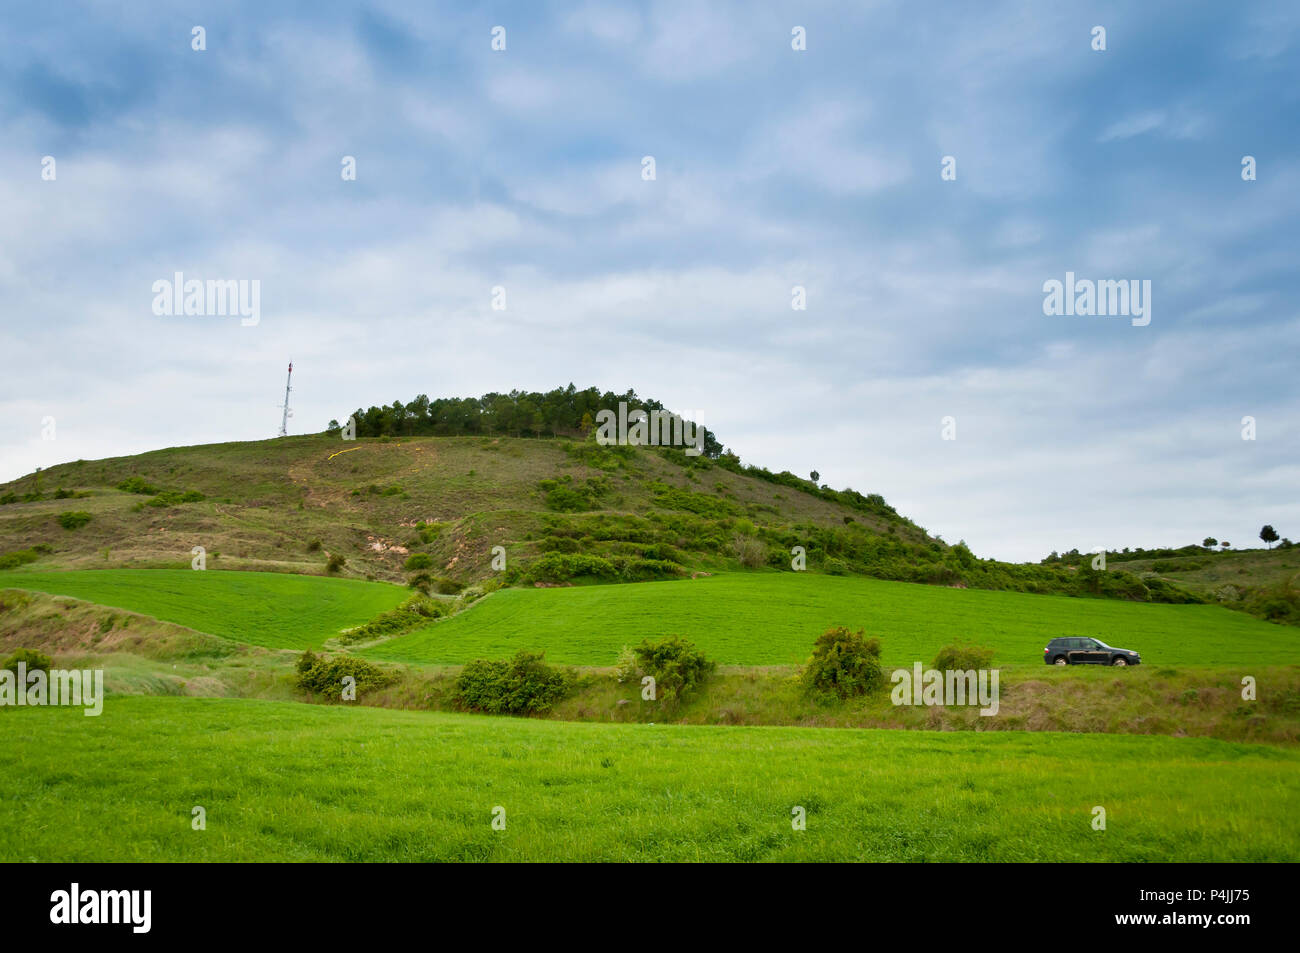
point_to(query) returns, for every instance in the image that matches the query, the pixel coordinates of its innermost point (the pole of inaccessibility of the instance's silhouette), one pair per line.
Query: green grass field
(278, 610)
(772, 619)
(284, 781)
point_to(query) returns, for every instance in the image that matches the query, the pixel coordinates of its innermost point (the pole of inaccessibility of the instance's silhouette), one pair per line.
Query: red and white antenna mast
(284, 421)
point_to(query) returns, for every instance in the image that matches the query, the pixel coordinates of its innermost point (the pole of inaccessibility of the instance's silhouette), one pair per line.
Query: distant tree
(815, 476)
(587, 423)
(1269, 535)
(712, 448)
(1225, 545)
(1209, 542)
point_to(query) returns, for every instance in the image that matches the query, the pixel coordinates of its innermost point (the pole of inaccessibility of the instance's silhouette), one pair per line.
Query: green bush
(418, 561)
(411, 614)
(843, 663)
(523, 685)
(175, 497)
(323, 674)
(963, 658)
(336, 562)
(19, 557)
(567, 496)
(563, 567)
(73, 519)
(306, 662)
(32, 658)
(676, 665)
(558, 544)
(137, 484)
(471, 594)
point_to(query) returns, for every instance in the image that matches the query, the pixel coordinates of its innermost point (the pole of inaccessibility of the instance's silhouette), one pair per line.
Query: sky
(923, 366)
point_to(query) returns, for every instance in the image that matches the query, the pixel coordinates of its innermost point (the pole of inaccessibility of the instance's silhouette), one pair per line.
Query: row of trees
(565, 412)
(1267, 533)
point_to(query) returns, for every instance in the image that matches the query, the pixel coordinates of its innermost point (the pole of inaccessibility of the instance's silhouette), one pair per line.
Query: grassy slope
(267, 500)
(1207, 572)
(412, 786)
(270, 609)
(773, 618)
(142, 656)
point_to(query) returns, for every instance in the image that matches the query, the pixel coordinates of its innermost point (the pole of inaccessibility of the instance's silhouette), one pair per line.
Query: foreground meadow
(283, 781)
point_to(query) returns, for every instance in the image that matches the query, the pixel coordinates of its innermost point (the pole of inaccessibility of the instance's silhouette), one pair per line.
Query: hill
(288, 504)
(1262, 582)
(433, 510)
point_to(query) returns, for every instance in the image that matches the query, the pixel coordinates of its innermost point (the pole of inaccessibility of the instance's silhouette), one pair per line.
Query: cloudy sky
(774, 168)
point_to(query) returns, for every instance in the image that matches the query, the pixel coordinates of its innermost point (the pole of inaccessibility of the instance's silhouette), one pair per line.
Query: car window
(1074, 643)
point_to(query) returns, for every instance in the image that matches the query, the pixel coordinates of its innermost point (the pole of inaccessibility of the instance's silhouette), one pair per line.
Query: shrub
(561, 567)
(325, 674)
(418, 561)
(626, 668)
(413, 613)
(447, 587)
(558, 544)
(31, 658)
(566, 496)
(523, 685)
(175, 497)
(676, 665)
(421, 581)
(314, 546)
(18, 557)
(835, 567)
(750, 553)
(337, 562)
(472, 594)
(963, 658)
(137, 484)
(74, 519)
(843, 663)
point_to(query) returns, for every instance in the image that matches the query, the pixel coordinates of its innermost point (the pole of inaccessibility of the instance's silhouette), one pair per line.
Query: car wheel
(1060, 660)
(1119, 660)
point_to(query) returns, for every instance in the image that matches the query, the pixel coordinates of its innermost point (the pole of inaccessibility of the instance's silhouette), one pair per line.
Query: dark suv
(1079, 651)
